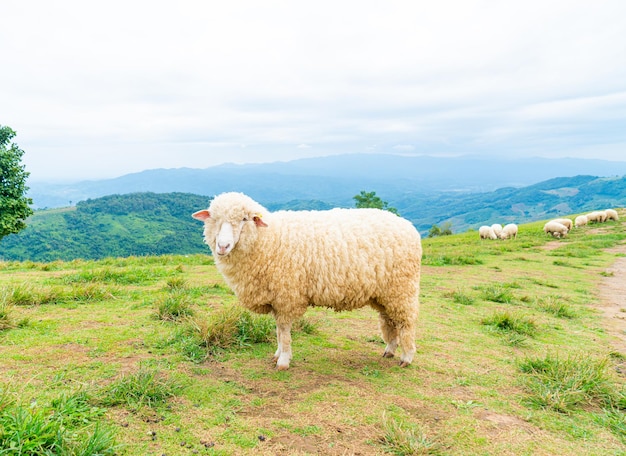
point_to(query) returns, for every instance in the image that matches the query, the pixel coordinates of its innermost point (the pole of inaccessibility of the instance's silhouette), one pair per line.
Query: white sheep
(509, 231)
(487, 232)
(611, 214)
(497, 228)
(565, 221)
(581, 220)
(282, 262)
(597, 216)
(555, 228)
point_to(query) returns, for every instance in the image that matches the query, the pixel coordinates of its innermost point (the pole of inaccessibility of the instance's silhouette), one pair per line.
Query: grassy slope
(83, 325)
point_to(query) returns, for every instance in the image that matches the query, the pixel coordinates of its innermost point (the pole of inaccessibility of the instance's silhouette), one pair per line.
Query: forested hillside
(161, 223)
(111, 226)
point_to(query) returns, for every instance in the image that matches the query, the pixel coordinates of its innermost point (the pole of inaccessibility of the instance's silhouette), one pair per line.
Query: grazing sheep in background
(497, 228)
(487, 232)
(611, 214)
(555, 228)
(282, 262)
(581, 220)
(592, 216)
(566, 222)
(509, 231)
(597, 216)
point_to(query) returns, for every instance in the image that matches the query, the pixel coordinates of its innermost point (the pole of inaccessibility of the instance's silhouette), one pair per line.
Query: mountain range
(148, 223)
(334, 179)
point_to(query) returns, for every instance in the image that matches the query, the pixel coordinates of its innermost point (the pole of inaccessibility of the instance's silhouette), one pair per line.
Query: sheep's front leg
(283, 354)
(390, 335)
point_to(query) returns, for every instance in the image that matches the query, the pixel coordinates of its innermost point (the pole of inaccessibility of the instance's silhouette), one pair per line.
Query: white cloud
(162, 84)
(404, 147)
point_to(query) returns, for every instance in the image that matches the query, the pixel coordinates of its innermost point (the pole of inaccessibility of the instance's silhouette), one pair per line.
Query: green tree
(445, 230)
(14, 205)
(369, 199)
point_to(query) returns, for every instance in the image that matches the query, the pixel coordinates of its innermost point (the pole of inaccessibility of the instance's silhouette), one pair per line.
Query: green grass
(153, 355)
(69, 426)
(565, 383)
(146, 387)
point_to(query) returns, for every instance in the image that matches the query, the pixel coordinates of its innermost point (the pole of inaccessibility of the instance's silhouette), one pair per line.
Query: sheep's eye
(245, 219)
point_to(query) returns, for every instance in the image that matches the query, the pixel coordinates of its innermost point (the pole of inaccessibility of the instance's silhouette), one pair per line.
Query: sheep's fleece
(281, 262)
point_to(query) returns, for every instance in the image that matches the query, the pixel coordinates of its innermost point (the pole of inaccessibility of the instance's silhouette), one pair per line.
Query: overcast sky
(101, 89)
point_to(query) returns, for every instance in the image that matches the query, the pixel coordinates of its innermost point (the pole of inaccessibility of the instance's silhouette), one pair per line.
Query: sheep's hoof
(404, 364)
(388, 355)
(282, 368)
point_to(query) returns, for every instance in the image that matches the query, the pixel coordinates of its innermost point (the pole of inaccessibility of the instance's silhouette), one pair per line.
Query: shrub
(562, 384)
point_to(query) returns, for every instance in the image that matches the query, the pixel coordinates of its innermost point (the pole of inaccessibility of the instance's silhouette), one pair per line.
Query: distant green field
(151, 355)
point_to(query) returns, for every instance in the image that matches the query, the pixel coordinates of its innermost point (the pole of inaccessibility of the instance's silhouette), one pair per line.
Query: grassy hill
(111, 226)
(152, 355)
(160, 223)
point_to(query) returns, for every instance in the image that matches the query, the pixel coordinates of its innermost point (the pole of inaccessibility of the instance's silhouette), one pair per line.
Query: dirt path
(613, 300)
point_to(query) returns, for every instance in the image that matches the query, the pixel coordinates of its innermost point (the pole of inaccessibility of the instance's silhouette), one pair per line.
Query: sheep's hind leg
(390, 335)
(283, 354)
(407, 341)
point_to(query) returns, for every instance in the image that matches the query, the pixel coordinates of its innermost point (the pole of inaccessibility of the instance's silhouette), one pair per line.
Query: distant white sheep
(487, 232)
(566, 222)
(581, 220)
(597, 216)
(282, 262)
(555, 229)
(497, 228)
(611, 214)
(509, 231)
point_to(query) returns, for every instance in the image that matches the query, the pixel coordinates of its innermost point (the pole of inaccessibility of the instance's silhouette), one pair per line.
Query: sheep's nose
(222, 249)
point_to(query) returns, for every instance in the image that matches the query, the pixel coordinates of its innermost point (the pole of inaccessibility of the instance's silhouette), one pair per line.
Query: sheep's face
(223, 233)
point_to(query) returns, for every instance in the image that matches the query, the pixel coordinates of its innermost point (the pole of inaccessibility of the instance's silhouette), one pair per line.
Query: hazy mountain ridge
(333, 179)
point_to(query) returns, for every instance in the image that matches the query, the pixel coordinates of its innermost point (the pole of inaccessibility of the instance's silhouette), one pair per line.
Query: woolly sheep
(282, 262)
(487, 232)
(497, 228)
(555, 228)
(565, 221)
(597, 216)
(509, 231)
(611, 214)
(581, 220)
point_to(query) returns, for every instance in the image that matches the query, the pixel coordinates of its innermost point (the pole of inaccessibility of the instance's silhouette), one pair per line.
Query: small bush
(25, 430)
(68, 427)
(513, 328)
(89, 293)
(175, 284)
(462, 298)
(553, 305)
(24, 295)
(173, 307)
(562, 384)
(405, 439)
(234, 326)
(75, 409)
(143, 388)
(497, 293)
(6, 316)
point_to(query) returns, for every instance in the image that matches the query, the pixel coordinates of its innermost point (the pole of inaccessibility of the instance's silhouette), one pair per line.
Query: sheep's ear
(258, 222)
(201, 215)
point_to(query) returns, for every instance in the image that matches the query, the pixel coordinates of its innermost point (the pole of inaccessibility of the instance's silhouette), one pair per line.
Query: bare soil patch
(612, 301)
